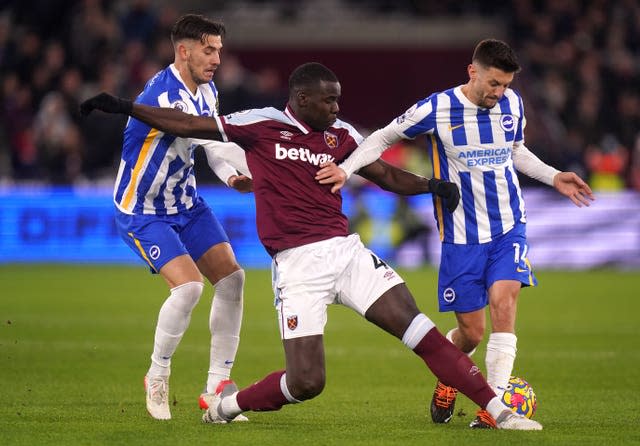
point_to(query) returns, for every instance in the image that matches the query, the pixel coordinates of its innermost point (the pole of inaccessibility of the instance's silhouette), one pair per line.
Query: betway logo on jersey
(302, 154)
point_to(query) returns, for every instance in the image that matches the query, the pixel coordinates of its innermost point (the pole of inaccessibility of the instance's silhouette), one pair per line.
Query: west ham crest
(331, 140)
(292, 322)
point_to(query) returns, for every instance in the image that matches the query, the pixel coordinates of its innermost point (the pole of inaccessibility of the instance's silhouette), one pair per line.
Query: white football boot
(214, 412)
(157, 389)
(207, 399)
(513, 421)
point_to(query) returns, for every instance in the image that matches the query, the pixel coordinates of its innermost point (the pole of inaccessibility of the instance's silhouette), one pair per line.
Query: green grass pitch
(75, 343)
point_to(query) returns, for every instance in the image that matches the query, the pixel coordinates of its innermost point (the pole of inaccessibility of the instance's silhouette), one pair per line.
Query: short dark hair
(196, 27)
(309, 75)
(496, 53)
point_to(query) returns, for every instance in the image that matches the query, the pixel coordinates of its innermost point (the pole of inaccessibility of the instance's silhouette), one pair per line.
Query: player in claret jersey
(316, 262)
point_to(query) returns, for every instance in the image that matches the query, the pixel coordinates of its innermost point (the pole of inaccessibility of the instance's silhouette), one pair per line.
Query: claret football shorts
(308, 278)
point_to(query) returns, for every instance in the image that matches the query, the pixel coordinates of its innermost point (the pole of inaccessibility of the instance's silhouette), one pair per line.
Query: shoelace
(445, 395)
(486, 418)
(158, 391)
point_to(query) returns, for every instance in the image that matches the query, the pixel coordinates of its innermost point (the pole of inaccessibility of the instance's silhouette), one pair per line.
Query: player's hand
(106, 103)
(572, 186)
(446, 190)
(241, 183)
(330, 173)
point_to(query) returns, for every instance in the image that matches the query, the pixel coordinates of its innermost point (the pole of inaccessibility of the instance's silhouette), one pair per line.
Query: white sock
(229, 405)
(501, 354)
(496, 407)
(417, 329)
(173, 321)
(449, 336)
(225, 321)
(285, 390)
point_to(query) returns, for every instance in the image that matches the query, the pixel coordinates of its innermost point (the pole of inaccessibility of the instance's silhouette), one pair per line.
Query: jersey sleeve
(371, 148)
(224, 158)
(418, 119)
(240, 127)
(171, 98)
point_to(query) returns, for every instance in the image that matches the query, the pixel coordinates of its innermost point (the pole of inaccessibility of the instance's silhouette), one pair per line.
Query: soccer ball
(520, 397)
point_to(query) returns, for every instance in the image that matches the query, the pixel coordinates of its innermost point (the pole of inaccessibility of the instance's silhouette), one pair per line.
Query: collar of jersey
(301, 125)
(176, 73)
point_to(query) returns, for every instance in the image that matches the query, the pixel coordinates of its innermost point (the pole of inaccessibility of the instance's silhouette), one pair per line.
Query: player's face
(318, 106)
(487, 85)
(203, 58)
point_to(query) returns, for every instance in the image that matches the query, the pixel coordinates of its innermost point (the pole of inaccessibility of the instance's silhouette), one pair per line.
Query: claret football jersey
(284, 154)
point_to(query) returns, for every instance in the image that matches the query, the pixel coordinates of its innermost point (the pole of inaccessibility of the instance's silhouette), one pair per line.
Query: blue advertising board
(40, 224)
(76, 225)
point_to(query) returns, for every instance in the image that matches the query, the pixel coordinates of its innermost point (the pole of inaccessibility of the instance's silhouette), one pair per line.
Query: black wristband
(433, 184)
(125, 105)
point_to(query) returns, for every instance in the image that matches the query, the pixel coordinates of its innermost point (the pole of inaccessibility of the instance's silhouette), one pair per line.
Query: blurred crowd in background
(580, 79)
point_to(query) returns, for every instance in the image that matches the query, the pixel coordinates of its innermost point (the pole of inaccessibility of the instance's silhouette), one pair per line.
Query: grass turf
(75, 343)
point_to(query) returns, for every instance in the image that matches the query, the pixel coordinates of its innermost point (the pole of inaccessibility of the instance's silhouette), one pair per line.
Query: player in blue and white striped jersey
(475, 139)
(160, 215)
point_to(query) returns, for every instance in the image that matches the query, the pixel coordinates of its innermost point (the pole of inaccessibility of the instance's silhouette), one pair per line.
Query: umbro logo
(284, 134)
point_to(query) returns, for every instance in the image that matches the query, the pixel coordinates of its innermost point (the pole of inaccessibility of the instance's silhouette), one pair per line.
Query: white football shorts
(308, 278)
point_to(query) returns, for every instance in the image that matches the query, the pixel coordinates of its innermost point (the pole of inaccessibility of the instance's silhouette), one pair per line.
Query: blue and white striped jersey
(156, 169)
(472, 147)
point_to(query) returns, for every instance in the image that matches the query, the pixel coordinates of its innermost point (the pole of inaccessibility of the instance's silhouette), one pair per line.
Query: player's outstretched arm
(168, 120)
(393, 179)
(575, 188)
(403, 182)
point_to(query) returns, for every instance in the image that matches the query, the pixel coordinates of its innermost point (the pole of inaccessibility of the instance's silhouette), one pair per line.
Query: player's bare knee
(503, 307)
(469, 337)
(394, 310)
(306, 386)
(230, 267)
(217, 263)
